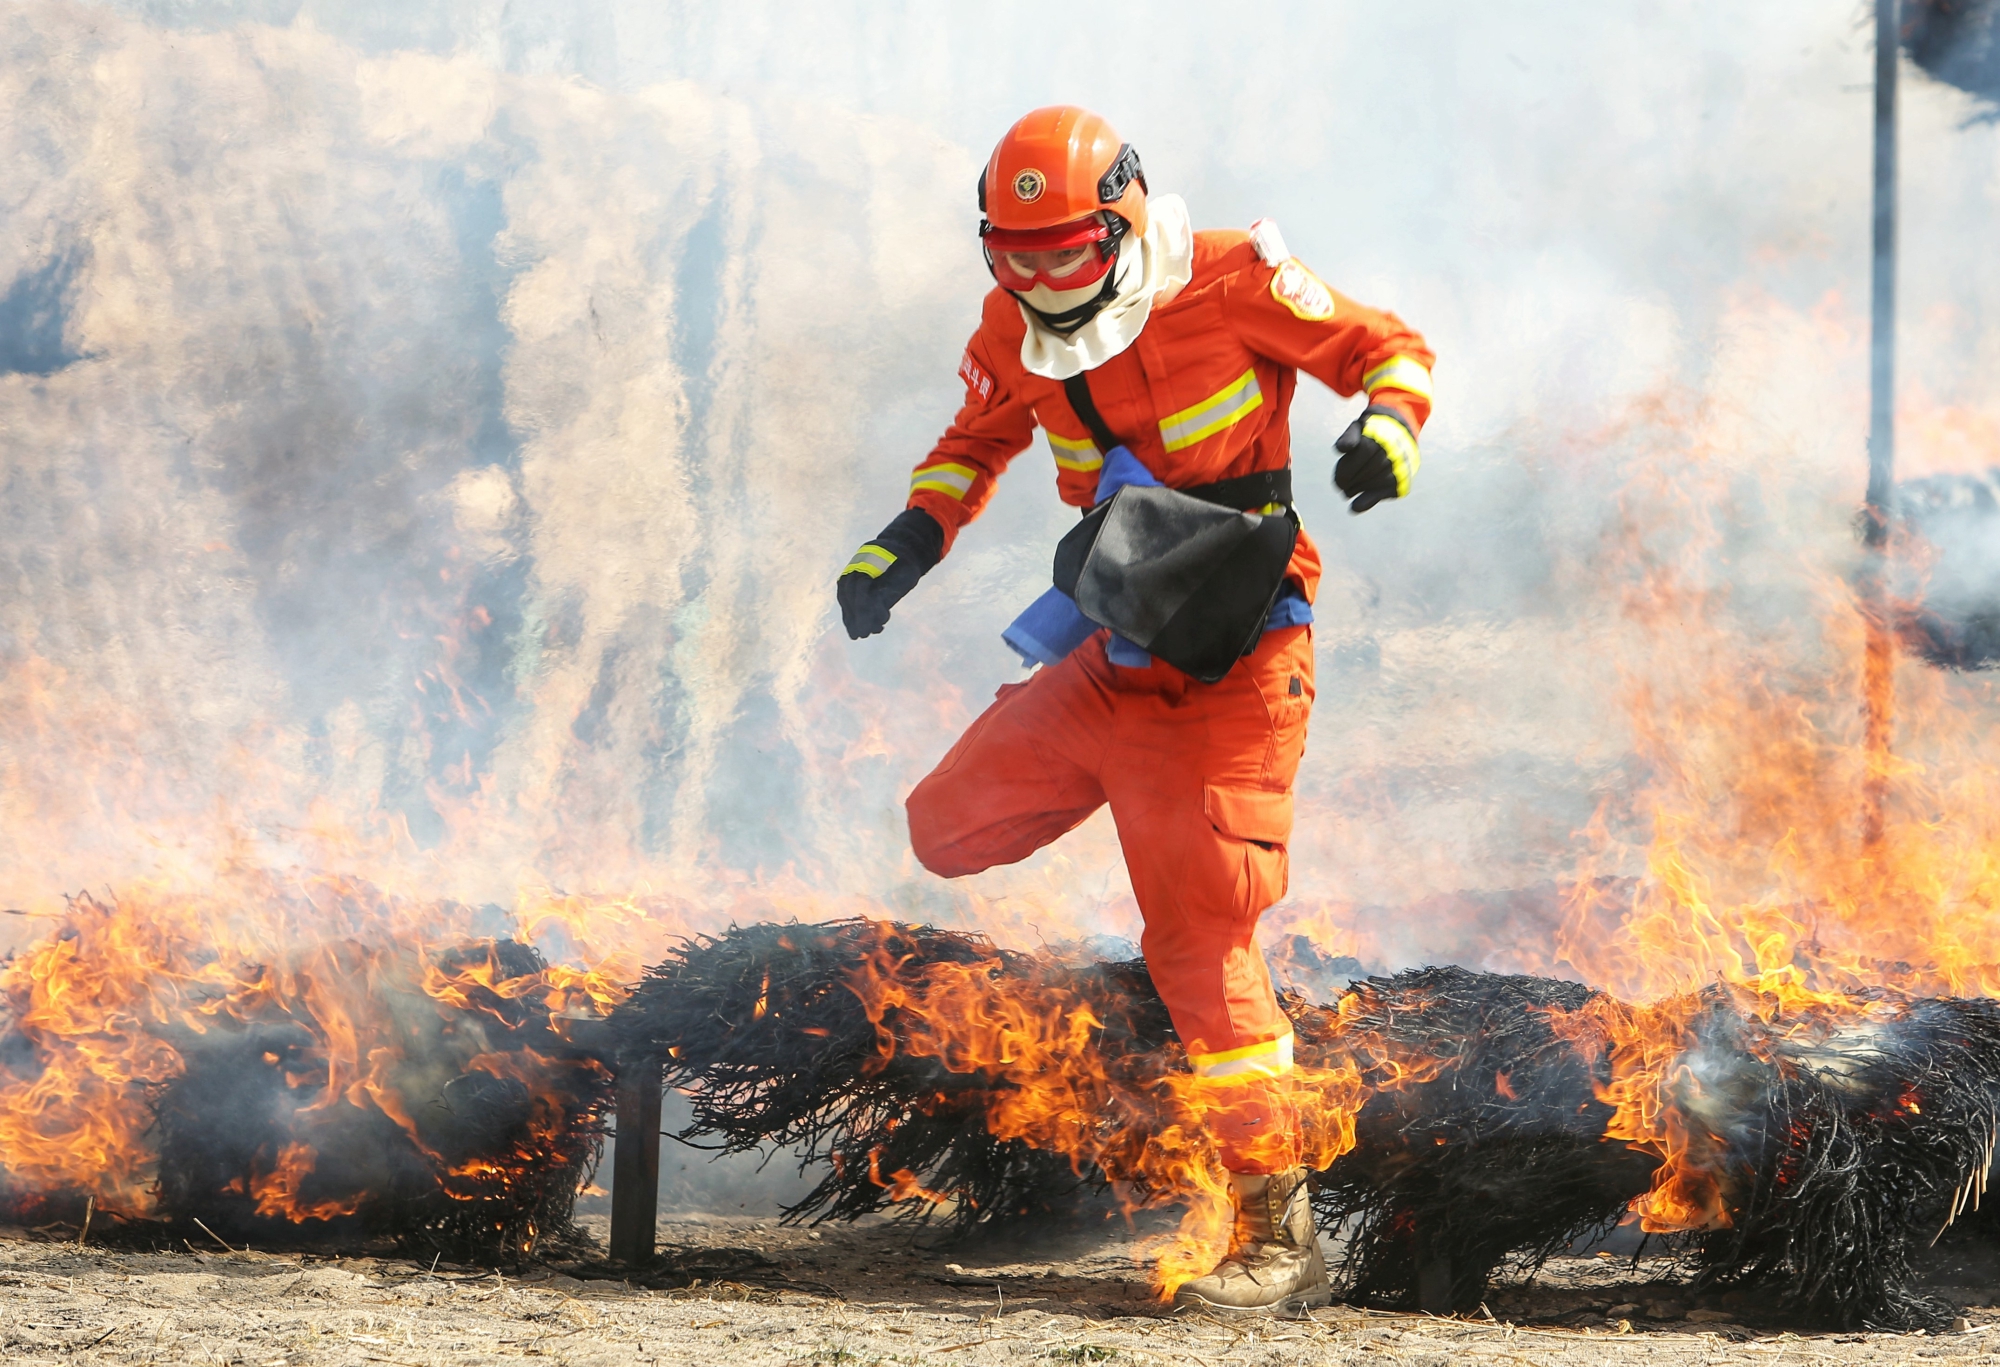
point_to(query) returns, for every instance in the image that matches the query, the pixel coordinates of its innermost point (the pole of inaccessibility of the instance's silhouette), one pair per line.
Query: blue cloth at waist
(1291, 610)
(1053, 625)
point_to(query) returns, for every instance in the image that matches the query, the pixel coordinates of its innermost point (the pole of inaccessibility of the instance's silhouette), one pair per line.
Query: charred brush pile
(1844, 1145)
(1825, 1151)
(883, 1049)
(1482, 1138)
(470, 1132)
(370, 1090)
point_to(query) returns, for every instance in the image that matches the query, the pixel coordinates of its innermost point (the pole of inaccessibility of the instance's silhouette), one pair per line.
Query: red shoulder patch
(977, 382)
(1304, 293)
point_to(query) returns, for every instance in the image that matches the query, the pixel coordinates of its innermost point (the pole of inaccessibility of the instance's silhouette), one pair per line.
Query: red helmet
(1058, 195)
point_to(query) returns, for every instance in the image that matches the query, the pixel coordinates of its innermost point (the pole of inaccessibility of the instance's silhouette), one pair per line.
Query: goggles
(1069, 256)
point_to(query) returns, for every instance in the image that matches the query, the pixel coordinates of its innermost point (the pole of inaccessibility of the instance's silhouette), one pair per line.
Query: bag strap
(1077, 387)
(1243, 492)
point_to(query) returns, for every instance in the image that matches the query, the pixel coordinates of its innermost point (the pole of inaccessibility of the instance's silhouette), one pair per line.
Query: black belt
(1246, 493)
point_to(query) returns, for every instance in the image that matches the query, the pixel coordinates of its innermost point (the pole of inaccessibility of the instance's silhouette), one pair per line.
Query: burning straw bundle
(777, 1034)
(1832, 1143)
(365, 1087)
(1483, 1138)
(470, 1133)
(1816, 1153)
(1847, 1141)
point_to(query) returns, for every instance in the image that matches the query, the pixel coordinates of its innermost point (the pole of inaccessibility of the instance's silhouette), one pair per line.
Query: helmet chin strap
(1069, 320)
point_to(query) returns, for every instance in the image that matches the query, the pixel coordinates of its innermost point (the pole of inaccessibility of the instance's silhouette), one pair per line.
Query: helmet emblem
(1029, 184)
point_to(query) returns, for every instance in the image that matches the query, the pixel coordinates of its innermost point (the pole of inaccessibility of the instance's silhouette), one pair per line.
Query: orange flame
(1819, 822)
(383, 1004)
(1141, 1123)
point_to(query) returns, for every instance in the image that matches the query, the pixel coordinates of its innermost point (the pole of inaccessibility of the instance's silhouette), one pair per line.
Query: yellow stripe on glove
(1396, 443)
(870, 560)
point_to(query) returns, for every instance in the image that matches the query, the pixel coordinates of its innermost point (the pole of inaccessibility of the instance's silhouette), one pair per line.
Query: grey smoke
(452, 415)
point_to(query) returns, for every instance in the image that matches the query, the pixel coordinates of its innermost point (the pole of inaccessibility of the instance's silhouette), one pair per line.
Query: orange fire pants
(1199, 778)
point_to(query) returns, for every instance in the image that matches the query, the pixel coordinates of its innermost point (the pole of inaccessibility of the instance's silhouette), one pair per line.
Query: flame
(277, 1192)
(364, 1020)
(1742, 859)
(902, 1184)
(1817, 833)
(1754, 870)
(1140, 1121)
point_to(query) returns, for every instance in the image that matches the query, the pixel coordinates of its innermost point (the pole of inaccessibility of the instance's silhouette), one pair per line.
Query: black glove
(1378, 455)
(885, 569)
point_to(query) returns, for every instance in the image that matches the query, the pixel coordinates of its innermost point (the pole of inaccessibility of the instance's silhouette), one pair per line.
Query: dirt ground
(747, 1292)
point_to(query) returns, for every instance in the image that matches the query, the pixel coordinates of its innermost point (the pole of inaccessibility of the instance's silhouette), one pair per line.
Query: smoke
(430, 430)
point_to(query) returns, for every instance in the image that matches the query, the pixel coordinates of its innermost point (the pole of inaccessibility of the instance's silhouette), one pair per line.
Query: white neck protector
(1150, 271)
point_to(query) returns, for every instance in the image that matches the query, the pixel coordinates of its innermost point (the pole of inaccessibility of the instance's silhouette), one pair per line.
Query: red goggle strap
(1062, 236)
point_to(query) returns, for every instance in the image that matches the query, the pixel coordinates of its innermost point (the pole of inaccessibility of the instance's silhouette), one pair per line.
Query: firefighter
(1128, 337)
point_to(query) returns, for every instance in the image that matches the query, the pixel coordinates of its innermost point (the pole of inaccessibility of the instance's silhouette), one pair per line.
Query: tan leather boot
(1276, 1267)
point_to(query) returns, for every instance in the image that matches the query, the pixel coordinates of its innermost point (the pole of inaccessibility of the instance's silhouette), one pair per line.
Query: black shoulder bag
(1188, 575)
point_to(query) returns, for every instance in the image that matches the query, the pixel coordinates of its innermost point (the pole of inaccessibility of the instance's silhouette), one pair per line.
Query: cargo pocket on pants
(1259, 822)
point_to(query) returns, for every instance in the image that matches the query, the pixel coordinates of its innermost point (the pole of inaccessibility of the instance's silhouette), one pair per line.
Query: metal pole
(1882, 332)
(1879, 664)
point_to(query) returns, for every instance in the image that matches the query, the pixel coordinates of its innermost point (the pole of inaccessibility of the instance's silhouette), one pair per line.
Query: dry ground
(752, 1292)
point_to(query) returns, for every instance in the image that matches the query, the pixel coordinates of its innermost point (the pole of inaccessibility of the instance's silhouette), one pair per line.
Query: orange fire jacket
(1204, 394)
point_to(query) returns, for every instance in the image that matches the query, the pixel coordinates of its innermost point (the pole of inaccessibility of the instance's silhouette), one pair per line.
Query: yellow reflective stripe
(1397, 443)
(1213, 413)
(1269, 1058)
(1406, 373)
(1081, 456)
(944, 479)
(870, 560)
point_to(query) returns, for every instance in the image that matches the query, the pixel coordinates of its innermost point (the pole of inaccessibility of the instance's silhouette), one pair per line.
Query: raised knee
(946, 860)
(934, 836)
